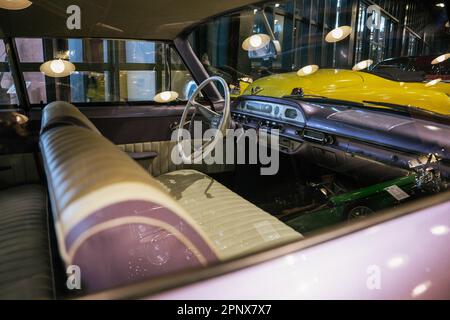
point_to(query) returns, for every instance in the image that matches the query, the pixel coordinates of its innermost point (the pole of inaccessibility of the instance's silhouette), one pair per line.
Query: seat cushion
(25, 264)
(233, 225)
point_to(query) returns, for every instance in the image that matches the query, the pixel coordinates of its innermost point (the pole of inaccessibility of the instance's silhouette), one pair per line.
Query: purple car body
(403, 258)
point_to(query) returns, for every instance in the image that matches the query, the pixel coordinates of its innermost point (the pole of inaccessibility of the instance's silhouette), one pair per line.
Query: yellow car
(356, 86)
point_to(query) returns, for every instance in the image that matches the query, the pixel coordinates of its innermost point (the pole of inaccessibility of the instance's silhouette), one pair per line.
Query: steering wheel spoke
(217, 121)
(205, 111)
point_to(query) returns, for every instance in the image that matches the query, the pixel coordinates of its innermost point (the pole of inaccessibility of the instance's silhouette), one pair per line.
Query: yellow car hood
(324, 80)
(356, 86)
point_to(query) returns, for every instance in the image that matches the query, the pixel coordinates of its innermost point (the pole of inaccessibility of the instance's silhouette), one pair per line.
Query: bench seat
(25, 263)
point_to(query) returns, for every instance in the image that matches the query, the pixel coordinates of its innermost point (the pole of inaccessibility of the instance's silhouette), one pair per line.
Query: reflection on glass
(15, 4)
(433, 82)
(180, 80)
(338, 34)
(35, 87)
(88, 87)
(57, 68)
(362, 65)
(307, 70)
(137, 85)
(397, 262)
(440, 230)
(255, 42)
(30, 49)
(7, 89)
(140, 52)
(8, 94)
(441, 58)
(166, 96)
(139, 70)
(420, 289)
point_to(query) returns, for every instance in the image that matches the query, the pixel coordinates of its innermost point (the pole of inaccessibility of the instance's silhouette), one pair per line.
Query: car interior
(78, 174)
(95, 186)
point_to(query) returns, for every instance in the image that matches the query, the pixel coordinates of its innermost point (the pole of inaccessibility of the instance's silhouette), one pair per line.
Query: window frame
(10, 66)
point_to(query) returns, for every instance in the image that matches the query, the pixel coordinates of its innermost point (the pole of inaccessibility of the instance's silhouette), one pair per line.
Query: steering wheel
(219, 122)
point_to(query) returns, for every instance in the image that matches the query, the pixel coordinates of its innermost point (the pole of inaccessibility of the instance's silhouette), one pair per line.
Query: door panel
(163, 163)
(125, 125)
(138, 129)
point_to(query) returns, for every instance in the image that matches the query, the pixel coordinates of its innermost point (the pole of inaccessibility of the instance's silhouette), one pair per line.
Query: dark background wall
(408, 28)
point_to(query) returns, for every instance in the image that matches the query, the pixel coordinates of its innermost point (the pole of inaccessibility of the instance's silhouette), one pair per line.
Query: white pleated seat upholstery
(25, 260)
(233, 225)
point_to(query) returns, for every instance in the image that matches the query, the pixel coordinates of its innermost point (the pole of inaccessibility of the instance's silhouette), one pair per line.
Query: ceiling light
(362, 65)
(277, 5)
(255, 42)
(57, 68)
(433, 82)
(338, 34)
(166, 96)
(441, 58)
(307, 70)
(15, 4)
(440, 5)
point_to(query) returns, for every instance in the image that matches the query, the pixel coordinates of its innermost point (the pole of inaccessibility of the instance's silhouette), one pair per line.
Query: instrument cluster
(276, 112)
(265, 115)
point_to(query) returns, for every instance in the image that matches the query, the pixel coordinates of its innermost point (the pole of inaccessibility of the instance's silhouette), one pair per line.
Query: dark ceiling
(137, 19)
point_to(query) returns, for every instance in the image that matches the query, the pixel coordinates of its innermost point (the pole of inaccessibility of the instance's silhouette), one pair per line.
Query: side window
(110, 71)
(31, 56)
(7, 89)
(181, 80)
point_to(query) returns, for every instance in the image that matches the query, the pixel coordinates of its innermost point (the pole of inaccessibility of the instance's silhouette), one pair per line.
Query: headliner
(132, 19)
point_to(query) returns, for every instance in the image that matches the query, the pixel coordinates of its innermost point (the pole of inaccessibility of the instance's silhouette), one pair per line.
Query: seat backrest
(112, 219)
(63, 113)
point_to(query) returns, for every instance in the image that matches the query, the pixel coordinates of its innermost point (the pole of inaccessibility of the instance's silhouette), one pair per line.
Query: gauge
(290, 114)
(277, 110)
(259, 107)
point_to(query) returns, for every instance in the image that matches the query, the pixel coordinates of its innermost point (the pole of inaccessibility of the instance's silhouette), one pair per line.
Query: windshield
(393, 53)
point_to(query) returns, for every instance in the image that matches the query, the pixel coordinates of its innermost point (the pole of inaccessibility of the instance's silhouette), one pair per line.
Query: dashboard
(337, 132)
(287, 117)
